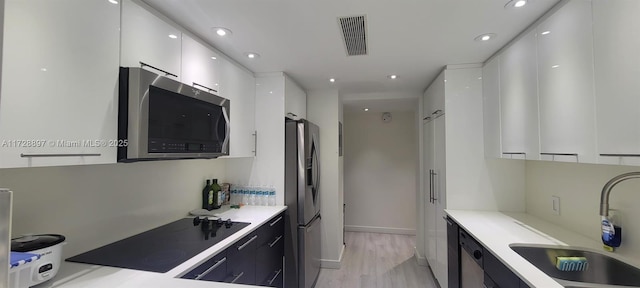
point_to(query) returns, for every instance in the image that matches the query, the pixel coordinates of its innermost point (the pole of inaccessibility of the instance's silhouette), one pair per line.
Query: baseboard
(422, 261)
(386, 230)
(333, 264)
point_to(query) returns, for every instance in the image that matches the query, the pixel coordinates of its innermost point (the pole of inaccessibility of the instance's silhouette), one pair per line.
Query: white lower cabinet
(59, 83)
(565, 85)
(616, 45)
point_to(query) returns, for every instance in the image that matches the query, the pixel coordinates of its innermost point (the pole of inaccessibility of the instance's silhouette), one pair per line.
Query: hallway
(374, 260)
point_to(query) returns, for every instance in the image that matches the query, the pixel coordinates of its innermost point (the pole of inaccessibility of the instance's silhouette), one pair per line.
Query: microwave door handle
(225, 143)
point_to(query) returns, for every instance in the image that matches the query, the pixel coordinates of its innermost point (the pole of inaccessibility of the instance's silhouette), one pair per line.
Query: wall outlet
(555, 205)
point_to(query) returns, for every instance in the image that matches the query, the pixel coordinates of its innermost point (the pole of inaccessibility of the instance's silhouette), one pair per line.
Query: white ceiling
(411, 38)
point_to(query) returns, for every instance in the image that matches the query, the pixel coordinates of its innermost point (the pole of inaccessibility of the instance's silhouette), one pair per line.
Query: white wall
(579, 187)
(94, 205)
(380, 178)
(323, 109)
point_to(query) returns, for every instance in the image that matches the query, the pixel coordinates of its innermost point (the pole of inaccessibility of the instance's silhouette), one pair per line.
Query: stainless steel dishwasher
(471, 262)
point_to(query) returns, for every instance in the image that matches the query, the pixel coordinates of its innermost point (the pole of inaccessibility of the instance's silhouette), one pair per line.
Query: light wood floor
(373, 260)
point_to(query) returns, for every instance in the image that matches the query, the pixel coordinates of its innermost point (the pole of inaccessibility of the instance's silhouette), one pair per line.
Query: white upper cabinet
(491, 108)
(59, 83)
(519, 99)
(200, 66)
(433, 104)
(565, 77)
(148, 39)
(239, 86)
(617, 62)
(295, 100)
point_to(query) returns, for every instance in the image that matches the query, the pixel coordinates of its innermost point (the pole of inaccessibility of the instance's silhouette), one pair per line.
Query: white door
(440, 201)
(147, 38)
(491, 108)
(519, 99)
(59, 83)
(430, 186)
(565, 83)
(616, 45)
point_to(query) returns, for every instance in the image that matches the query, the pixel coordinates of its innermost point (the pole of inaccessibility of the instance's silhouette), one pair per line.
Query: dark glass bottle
(216, 191)
(205, 196)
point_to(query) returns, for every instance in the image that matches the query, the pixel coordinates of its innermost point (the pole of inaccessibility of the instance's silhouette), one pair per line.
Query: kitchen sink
(602, 269)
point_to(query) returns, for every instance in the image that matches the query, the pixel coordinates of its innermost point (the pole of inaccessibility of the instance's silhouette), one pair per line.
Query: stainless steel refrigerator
(302, 196)
(5, 236)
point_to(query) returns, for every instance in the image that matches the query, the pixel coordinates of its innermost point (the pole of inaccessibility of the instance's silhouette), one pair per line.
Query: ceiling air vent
(354, 34)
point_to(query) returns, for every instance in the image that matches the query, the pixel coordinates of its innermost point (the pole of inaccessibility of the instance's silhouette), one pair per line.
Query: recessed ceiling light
(252, 55)
(515, 4)
(545, 32)
(173, 36)
(366, 109)
(221, 31)
(214, 57)
(332, 80)
(555, 66)
(393, 76)
(485, 37)
(113, 1)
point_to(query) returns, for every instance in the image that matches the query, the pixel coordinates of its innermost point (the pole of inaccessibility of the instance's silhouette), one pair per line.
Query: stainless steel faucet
(606, 190)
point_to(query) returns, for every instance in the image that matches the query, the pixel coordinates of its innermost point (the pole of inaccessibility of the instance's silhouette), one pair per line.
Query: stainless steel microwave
(160, 118)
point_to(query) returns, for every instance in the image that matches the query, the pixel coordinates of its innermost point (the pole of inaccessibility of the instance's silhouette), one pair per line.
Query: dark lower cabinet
(270, 253)
(241, 265)
(453, 253)
(256, 259)
(499, 274)
(496, 274)
(214, 269)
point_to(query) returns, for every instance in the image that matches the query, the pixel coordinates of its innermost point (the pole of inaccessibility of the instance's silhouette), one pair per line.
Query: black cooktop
(163, 248)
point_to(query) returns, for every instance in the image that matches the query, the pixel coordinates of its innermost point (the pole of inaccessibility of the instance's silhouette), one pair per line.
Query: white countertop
(497, 230)
(76, 275)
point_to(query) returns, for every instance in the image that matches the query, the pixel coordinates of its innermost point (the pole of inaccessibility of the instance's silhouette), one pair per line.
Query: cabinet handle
(430, 185)
(205, 87)
(434, 186)
(247, 243)
(211, 268)
(274, 277)
(275, 241)
(237, 277)
(515, 153)
(142, 64)
(620, 155)
(291, 114)
(59, 155)
(255, 143)
(426, 118)
(560, 154)
(436, 112)
(274, 222)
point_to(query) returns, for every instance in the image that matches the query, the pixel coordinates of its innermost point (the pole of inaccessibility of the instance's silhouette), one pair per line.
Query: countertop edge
(77, 275)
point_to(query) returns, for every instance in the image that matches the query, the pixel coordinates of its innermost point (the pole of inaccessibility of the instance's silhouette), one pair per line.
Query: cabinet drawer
(269, 261)
(214, 269)
(241, 263)
(270, 230)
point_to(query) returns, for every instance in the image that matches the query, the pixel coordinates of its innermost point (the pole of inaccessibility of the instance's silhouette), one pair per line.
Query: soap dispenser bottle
(612, 230)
